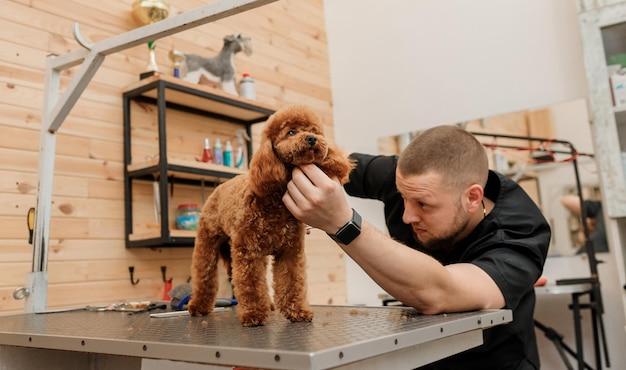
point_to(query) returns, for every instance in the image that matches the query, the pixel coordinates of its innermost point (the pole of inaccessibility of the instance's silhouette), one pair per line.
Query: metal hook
(163, 269)
(131, 269)
(79, 38)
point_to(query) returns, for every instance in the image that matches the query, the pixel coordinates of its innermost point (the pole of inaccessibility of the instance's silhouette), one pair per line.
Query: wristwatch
(348, 232)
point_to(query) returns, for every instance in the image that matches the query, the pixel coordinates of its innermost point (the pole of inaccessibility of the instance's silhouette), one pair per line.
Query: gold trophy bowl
(150, 11)
(147, 12)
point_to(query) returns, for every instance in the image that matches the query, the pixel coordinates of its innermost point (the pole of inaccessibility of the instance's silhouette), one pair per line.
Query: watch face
(349, 233)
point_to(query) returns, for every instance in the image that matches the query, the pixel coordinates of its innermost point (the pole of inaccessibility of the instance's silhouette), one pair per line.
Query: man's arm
(419, 280)
(410, 276)
(572, 203)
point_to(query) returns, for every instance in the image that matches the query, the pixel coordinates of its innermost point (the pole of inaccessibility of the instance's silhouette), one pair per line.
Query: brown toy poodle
(244, 221)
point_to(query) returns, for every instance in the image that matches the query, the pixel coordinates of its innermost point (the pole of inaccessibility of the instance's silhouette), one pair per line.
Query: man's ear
(474, 195)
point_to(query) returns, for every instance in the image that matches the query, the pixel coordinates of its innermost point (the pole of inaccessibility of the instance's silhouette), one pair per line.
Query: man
(595, 221)
(478, 241)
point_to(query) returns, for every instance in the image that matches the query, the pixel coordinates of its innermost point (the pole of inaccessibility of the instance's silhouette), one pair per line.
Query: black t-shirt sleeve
(514, 271)
(373, 177)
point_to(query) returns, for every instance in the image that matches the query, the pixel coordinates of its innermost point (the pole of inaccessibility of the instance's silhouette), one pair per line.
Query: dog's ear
(337, 164)
(268, 174)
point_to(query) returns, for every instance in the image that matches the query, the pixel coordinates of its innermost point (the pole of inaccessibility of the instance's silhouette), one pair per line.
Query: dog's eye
(291, 132)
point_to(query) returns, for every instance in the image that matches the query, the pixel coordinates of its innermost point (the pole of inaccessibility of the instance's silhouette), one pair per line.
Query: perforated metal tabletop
(337, 336)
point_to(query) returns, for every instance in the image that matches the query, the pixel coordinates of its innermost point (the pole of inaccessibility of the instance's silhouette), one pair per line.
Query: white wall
(408, 65)
(403, 65)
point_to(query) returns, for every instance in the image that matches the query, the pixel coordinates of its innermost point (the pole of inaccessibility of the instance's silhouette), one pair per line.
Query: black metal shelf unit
(170, 93)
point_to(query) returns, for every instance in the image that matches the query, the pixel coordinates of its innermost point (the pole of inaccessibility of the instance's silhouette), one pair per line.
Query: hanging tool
(30, 221)
(167, 284)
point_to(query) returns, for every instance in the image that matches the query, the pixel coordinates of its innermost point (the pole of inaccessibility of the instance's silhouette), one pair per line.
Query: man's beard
(446, 243)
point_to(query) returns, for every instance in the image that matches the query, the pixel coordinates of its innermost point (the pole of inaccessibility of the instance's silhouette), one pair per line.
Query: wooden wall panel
(88, 261)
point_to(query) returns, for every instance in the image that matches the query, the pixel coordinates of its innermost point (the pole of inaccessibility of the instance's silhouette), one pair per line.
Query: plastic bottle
(239, 157)
(217, 152)
(207, 156)
(240, 153)
(228, 154)
(246, 87)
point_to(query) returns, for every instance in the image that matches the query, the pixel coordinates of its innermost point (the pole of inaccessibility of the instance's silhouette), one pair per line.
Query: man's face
(436, 214)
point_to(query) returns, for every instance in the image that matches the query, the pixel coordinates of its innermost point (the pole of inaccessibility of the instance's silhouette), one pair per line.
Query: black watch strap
(348, 232)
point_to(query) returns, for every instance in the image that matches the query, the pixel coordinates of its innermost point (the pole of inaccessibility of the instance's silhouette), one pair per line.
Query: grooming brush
(180, 296)
(182, 293)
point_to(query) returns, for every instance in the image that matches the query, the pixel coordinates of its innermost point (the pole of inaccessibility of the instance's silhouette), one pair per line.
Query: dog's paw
(302, 315)
(251, 318)
(197, 310)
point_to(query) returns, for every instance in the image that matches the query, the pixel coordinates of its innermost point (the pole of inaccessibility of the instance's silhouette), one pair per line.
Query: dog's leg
(193, 77)
(289, 272)
(204, 273)
(250, 285)
(230, 87)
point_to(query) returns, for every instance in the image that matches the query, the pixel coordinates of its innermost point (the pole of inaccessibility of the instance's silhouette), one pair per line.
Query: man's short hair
(447, 150)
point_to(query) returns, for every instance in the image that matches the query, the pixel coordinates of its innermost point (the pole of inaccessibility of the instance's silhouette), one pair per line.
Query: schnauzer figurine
(221, 68)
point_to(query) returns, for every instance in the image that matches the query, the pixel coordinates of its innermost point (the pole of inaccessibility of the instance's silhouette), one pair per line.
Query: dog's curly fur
(244, 221)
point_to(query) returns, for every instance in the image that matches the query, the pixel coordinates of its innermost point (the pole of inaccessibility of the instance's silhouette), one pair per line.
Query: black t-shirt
(593, 209)
(510, 244)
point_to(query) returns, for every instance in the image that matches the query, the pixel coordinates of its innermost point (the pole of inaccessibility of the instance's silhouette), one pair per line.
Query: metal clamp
(21, 293)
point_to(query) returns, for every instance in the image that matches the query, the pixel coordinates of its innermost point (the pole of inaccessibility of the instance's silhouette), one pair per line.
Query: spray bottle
(228, 154)
(217, 152)
(240, 154)
(207, 156)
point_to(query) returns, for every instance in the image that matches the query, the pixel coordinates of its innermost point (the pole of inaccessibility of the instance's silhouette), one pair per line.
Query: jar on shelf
(187, 216)
(246, 87)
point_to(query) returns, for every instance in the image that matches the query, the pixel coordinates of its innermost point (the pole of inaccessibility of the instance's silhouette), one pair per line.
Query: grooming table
(338, 337)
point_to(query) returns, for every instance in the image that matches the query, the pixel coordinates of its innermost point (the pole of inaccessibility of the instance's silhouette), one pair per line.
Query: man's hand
(317, 200)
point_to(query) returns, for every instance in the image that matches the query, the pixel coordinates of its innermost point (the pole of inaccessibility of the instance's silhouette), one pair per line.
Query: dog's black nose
(311, 140)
